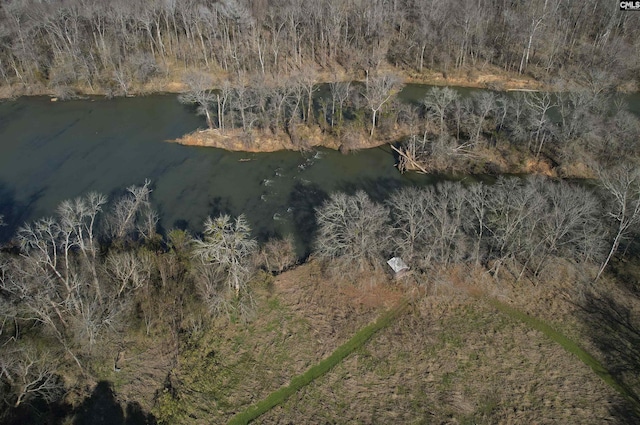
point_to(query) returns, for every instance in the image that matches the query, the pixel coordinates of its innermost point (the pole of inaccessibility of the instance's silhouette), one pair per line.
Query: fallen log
(409, 160)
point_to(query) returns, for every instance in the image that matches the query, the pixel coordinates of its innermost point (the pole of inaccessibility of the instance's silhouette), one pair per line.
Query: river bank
(492, 78)
(487, 77)
(499, 160)
(302, 137)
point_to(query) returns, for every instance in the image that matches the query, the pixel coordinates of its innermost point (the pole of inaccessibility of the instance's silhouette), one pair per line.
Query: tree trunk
(373, 122)
(614, 248)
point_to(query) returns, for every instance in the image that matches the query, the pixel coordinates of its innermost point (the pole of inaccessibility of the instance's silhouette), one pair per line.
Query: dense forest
(117, 46)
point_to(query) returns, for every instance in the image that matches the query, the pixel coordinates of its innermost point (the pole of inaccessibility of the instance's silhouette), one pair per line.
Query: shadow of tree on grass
(613, 328)
(102, 408)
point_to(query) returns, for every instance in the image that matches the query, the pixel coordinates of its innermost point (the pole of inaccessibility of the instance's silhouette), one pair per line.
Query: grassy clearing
(452, 359)
(223, 368)
(316, 371)
(571, 347)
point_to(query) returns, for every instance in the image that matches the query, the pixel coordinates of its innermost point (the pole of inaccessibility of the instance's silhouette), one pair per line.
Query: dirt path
(314, 372)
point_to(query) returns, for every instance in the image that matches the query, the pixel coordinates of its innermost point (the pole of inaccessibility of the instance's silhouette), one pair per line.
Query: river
(51, 151)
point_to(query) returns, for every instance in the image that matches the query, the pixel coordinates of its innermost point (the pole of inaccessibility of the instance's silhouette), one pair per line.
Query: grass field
(451, 358)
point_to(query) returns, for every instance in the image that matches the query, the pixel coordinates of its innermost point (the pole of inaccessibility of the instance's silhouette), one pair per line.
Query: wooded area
(99, 275)
(73, 286)
(115, 46)
(566, 134)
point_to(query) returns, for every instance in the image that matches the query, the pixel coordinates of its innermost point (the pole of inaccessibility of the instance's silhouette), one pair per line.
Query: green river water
(51, 151)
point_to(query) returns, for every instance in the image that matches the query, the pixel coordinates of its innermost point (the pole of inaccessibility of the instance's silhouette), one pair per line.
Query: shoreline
(486, 161)
(494, 79)
(262, 141)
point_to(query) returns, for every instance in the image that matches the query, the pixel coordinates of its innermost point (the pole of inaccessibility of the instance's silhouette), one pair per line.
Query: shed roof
(397, 264)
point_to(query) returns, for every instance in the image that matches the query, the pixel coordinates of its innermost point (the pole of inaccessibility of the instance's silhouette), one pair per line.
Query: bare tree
(58, 280)
(78, 225)
(477, 199)
(428, 224)
(243, 101)
(222, 99)
(535, 22)
(85, 42)
(340, 92)
(39, 294)
(562, 225)
(411, 221)
(623, 188)
(571, 217)
(122, 80)
(378, 91)
(277, 255)
(30, 373)
(227, 247)
(540, 103)
(484, 105)
(130, 270)
(446, 207)
(128, 210)
(199, 92)
(439, 103)
(308, 79)
(514, 211)
(352, 229)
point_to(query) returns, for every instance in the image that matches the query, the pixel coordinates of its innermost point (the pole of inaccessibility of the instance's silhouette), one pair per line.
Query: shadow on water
(14, 213)
(180, 224)
(613, 328)
(304, 199)
(219, 206)
(102, 408)
(378, 189)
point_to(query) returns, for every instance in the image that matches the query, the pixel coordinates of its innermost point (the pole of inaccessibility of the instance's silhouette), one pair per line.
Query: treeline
(78, 287)
(116, 45)
(345, 111)
(486, 131)
(580, 128)
(68, 283)
(514, 226)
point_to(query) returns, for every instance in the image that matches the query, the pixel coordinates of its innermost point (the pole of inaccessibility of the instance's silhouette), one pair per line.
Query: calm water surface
(51, 151)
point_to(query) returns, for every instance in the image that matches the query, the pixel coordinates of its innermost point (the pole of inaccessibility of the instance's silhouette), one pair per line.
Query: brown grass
(303, 137)
(454, 359)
